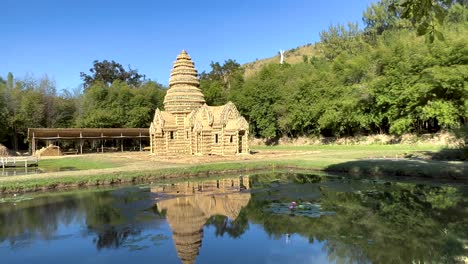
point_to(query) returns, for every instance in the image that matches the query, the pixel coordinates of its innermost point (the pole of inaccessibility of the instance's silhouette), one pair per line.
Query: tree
(3, 111)
(426, 15)
(120, 105)
(217, 85)
(382, 16)
(10, 81)
(107, 72)
(340, 39)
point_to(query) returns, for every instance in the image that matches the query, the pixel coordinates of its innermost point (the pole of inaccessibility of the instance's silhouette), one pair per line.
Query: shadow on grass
(444, 154)
(434, 169)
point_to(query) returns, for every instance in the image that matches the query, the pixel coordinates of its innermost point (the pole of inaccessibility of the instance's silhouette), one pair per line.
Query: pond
(243, 219)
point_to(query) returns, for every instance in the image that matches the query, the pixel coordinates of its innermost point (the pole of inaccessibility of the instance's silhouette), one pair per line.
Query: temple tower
(188, 126)
(183, 95)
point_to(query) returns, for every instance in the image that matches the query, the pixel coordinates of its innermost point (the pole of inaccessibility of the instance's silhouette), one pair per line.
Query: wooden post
(102, 143)
(33, 148)
(81, 143)
(121, 142)
(246, 140)
(151, 144)
(140, 140)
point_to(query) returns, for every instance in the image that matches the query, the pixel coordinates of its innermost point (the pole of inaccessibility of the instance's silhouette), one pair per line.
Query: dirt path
(142, 161)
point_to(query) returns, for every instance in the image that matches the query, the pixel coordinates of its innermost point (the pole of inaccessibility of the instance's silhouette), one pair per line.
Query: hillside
(291, 56)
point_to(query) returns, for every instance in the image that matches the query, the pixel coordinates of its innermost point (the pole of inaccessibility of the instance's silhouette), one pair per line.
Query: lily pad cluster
(307, 209)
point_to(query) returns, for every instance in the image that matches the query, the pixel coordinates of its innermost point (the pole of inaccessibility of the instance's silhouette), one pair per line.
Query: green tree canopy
(107, 72)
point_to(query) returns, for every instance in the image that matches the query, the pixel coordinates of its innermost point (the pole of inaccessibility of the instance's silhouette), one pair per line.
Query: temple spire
(183, 94)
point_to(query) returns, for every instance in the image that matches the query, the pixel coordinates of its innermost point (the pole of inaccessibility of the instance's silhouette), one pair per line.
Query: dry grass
(4, 151)
(291, 56)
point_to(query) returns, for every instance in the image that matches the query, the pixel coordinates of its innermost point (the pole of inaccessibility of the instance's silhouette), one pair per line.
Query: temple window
(231, 139)
(216, 138)
(171, 135)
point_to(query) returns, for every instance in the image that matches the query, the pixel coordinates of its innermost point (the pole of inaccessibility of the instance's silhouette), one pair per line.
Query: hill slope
(291, 56)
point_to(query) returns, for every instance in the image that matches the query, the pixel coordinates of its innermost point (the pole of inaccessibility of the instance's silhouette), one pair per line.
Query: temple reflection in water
(189, 205)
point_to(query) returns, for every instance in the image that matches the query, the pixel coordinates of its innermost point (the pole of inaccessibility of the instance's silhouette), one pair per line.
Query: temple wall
(207, 141)
(216, 147)
(159, 145)
(230, 148)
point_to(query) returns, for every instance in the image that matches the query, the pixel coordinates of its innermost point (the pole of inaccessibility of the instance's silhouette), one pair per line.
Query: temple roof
(183, 94)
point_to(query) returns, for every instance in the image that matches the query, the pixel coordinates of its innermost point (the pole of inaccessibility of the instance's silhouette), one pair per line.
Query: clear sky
(61, 38)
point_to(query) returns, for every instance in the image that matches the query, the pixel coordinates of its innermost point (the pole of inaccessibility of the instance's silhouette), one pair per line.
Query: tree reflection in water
(110, 216)
(374, 222)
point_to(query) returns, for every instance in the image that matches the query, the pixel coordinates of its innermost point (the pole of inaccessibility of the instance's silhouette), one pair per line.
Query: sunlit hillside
(291, 56)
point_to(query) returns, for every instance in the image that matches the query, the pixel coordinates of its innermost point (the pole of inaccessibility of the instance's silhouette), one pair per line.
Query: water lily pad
(306, 209)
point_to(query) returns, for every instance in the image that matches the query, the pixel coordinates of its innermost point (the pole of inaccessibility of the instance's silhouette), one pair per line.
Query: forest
(398, 74)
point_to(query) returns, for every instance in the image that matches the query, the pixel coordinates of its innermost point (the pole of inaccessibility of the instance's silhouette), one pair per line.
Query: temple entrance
(239, 142)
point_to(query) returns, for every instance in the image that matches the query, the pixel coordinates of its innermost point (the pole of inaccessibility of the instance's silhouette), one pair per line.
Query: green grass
(78, 163)
(373, 160)
(126, 177)
(430, 169)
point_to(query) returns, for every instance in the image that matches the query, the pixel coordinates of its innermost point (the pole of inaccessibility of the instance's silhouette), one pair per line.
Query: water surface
(243, 219)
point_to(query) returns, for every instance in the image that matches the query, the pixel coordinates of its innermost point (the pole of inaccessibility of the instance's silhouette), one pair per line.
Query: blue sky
(62, 38)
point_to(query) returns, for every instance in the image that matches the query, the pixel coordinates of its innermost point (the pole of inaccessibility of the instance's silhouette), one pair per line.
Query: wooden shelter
(90, 139)
(188, 126)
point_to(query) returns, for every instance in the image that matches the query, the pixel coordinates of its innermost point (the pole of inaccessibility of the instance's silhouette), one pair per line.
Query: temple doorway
(241, 136)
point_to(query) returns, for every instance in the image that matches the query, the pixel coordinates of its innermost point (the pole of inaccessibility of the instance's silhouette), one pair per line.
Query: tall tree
(120, 105)
(218, 83)
(427, 16)
(340, 39)
(107, 72)
(381, 16)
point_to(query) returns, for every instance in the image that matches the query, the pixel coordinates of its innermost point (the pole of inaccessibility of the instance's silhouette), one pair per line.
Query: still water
(244, 219)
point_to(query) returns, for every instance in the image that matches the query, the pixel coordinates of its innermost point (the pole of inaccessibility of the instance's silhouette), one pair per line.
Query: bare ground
(143, 161)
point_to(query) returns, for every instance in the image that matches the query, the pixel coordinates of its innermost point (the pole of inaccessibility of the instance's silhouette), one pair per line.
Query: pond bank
(435, 170)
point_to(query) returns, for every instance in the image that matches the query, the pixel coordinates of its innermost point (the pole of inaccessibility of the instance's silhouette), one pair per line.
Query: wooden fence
(18, 161)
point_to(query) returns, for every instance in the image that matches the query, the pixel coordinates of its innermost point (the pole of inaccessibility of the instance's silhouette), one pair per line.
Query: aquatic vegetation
(306, 209)
(15, 199)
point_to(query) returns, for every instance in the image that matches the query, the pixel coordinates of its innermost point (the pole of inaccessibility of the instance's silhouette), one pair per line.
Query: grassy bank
(373, 160)
(67, 181)
(75, 163)
(434, 170)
